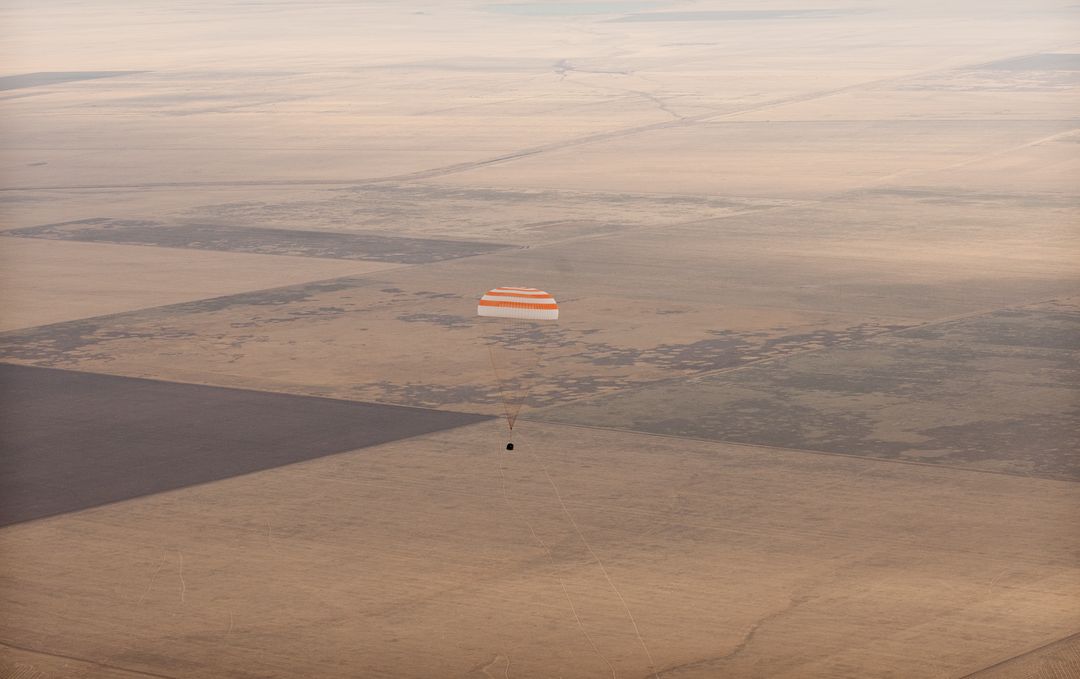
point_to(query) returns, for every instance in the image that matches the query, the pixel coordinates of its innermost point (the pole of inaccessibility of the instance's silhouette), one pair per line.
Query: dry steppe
(810, 410)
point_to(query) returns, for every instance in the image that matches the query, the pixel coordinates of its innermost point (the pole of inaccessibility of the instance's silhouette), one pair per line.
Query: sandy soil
(52, 281)
(445, 556)
(818, 276)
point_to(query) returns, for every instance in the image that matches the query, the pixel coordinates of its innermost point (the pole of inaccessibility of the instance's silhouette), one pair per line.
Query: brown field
(810, 410)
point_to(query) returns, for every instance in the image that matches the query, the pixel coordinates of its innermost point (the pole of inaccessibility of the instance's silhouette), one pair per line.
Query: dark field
(73, 440)
(1038, 62)
(358, 246)
(991, 392)
(15, 82)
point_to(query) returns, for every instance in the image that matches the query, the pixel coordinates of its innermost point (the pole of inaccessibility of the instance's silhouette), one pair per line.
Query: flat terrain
(991, 391)
(80, 440)
(52, 281)
(810, 409)
(328, 244)
(391, 560)
(1061, 658)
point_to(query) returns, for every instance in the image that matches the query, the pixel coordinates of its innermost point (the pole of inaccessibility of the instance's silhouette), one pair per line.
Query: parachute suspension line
(513, 401)
(529, 383)
(502, 391)
(555, 568)
(524, 307)
(603, 569)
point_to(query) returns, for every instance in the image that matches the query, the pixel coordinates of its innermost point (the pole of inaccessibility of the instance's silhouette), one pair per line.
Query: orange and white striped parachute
(527, 304)
(517, 340)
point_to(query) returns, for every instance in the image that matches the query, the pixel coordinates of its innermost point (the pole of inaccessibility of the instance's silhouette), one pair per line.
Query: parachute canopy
(527, 304)
(518, 335)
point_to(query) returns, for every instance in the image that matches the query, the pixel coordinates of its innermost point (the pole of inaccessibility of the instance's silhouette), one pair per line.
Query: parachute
(518, 326)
